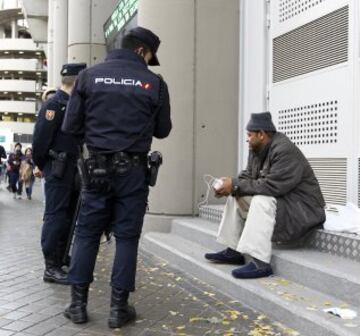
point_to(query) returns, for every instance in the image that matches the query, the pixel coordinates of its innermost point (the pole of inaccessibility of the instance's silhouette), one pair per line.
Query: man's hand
(225, 189)
(37, 172)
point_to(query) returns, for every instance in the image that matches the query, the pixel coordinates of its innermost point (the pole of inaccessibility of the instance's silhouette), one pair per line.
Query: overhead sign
(122, 14)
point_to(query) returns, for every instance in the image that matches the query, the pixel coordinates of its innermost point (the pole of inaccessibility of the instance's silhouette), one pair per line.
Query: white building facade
(22, 76)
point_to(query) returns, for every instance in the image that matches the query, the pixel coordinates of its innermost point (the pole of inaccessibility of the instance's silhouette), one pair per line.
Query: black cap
(72, 69)
(150, 39)
(261, 122)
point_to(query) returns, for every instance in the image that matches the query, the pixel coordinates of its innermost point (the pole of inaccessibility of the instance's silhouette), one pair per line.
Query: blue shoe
(228, 256)
(251, 271)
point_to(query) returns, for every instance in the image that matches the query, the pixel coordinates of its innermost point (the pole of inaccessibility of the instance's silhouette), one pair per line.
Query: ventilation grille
(316, 45)
(291, 8)
(314, 124)
(331, 174)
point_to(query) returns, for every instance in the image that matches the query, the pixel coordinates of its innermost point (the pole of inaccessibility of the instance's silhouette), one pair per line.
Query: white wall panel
(311, 108)
(312, 99)
(253, 67)
(301, 12)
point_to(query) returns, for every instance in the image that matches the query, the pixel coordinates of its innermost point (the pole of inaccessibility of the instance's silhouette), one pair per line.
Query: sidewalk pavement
(167, 301)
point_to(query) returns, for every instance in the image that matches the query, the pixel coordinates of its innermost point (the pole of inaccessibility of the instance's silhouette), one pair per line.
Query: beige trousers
(247, 225)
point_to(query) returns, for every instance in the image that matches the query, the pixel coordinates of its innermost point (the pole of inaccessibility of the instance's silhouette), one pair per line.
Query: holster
(154, 163)
(83, 173)
(58, 163)
(98, 172)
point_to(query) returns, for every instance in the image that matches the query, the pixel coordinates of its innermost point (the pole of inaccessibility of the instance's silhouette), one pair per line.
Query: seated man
(276, 199)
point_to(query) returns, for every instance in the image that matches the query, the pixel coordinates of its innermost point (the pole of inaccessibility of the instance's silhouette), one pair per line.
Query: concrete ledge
(329, 274)
(157, 223)
(288, 302)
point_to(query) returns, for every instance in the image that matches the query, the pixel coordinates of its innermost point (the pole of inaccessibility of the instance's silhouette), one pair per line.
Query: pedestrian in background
(2, 168)
(18, 151)
(26, 172)
(13, 169)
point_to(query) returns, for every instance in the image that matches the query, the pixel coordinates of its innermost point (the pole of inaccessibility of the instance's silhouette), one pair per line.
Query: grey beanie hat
(261, 122)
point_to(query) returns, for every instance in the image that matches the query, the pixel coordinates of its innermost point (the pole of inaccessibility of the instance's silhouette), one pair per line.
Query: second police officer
(116, 107)
(55, 153)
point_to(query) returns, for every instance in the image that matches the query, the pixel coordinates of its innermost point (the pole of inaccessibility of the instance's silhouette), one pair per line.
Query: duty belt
(118, 163)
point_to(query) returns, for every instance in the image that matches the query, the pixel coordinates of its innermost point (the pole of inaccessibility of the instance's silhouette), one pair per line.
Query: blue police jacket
(113, 103)
(47, 132)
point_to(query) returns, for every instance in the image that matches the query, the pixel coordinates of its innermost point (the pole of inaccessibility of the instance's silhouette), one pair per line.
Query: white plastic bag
(343, 219)
(345, 314)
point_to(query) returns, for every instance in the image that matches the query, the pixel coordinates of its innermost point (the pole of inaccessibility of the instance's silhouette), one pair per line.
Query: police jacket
(48, 134)
(115, 101)
(14, 161)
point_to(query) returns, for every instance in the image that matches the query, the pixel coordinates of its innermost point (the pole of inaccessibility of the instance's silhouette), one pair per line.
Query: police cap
(72, 69)
(150, 39)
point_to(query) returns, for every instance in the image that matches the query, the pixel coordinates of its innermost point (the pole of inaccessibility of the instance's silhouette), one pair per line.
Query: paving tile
(41, 328)
(64, 331)
(18, 325)
(4, 311)
(4, 322)
(35, 318)
(15, 315)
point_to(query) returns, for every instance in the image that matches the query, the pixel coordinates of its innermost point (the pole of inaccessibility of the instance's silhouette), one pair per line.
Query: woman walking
(26, 172)
(14, 162)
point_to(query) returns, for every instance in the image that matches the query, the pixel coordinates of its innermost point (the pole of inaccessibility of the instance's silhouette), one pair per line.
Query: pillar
(174, 191)
(50, 45)
(60, 24)
(14, 29)
(88, 44)
(203, 90)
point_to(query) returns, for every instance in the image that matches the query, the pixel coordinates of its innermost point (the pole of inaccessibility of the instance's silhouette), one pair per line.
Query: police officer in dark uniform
(55, 153)
(117, 106)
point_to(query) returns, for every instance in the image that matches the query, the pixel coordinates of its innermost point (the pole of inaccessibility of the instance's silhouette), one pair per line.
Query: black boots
(76, 311)
(54, 273)
(120, 312)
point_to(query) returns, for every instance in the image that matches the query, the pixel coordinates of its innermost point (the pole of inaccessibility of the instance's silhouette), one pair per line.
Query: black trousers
(123, 207)
(61, 196)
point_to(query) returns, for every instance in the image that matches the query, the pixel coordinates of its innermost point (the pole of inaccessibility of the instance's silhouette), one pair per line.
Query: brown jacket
(282, 171)
(26, 171)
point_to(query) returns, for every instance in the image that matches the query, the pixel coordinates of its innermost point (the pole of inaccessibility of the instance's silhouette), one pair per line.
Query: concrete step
(288, 302)
(336, 243)
(332, 275)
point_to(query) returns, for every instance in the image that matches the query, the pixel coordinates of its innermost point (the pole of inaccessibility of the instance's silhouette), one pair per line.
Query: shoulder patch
(50, 115)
